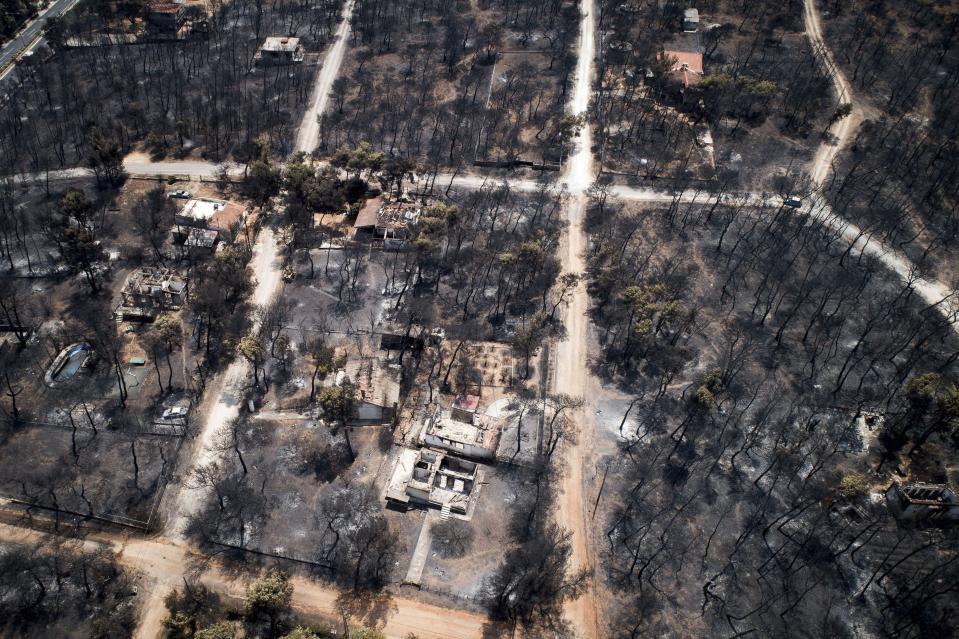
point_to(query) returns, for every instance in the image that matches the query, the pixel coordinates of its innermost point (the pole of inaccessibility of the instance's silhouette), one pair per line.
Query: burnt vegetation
(15, 14)
(898, 178)
(100, 95)
(91, 456)
(751, 345)
(760, 93)
(59, 589)
(447, 82)
(772, 385)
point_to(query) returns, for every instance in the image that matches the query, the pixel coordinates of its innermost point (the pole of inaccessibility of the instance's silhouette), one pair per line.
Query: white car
(180, 194)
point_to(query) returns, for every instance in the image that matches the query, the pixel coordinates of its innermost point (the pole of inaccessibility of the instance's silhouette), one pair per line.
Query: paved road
(29, 36)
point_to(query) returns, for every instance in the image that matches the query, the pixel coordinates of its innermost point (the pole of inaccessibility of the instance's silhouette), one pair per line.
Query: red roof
(687, 68)
(227, 216)
(164, 6)
(467, 402)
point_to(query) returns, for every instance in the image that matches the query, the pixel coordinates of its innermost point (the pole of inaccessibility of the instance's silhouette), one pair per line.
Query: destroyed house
(280, 50)
(165, 16)
(222, 217)
(197, 238)
(376, 390)
(923, 503)
(386, 225)
(148, 292)
(431, 478)
(397, 338)
(462, 431)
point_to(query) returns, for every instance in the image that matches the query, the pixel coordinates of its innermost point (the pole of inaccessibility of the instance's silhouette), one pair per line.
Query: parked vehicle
(792, 201)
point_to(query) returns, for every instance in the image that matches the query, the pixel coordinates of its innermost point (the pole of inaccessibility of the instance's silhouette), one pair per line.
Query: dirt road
(933, 292)
(572, 378)
(225, 397)
(222, 404)
(140, 165)
(843, 131)
(571, 372)
(228, 391)
(309, 134)
(161, 563)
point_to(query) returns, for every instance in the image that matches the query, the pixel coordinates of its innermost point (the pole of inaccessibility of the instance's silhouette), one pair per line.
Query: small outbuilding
(165, 16)
(464, 408)
(691, 20)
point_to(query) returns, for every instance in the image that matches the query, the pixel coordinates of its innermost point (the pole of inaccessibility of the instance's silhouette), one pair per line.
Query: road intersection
(164, 561)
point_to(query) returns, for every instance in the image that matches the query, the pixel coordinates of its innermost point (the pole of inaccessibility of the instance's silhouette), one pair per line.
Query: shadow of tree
(554, 627)
(369, 608)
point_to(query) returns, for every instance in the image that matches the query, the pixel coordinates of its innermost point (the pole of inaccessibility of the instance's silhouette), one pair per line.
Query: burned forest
(462, 319)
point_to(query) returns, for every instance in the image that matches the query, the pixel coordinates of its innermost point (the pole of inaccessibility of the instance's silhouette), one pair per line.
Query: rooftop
(215, 213)
(687, 67)
(279, 44)
(394, 216)
(165, 6)
(482, 432)
(202, 208)
(402, 474)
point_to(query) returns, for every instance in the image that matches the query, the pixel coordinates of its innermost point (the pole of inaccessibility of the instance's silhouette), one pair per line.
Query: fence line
(114, 520)
(273, 555)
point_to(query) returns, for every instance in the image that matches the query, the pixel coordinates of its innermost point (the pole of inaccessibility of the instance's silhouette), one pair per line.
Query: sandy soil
(224, 401)
(162, 562)
(231, 388)
(571, 364)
